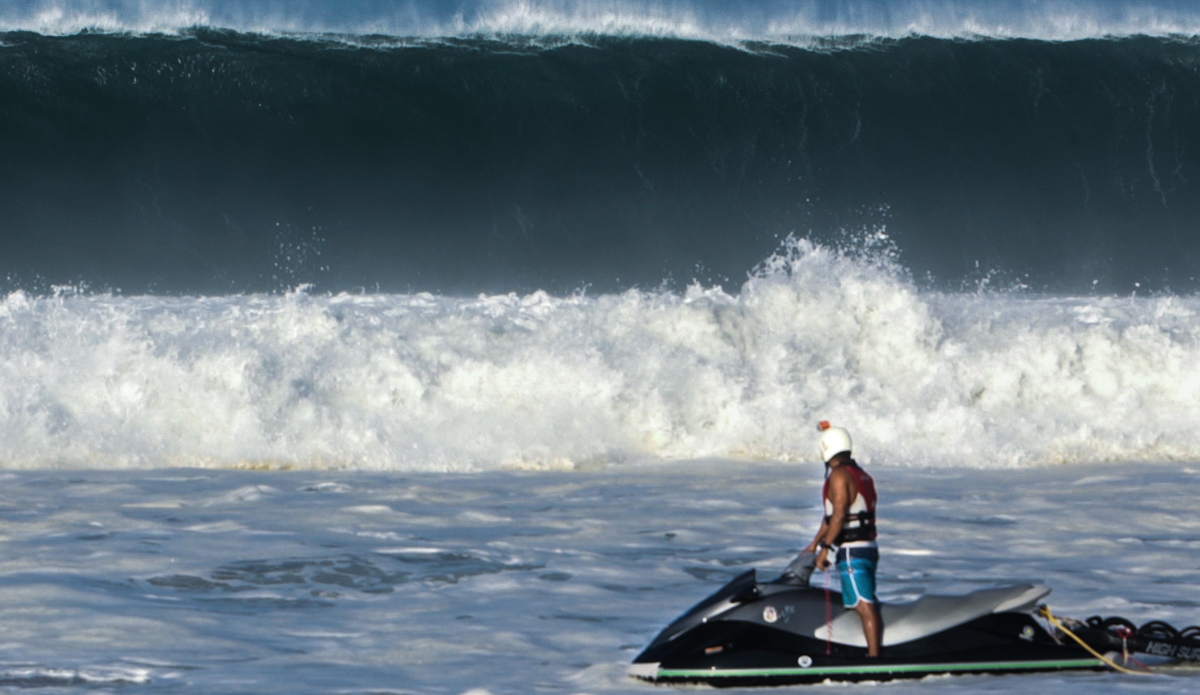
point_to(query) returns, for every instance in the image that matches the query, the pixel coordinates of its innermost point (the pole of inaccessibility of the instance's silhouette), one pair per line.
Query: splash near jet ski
(776, 633)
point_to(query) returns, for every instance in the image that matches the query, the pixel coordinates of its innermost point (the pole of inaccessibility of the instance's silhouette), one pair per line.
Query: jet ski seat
(904, 622)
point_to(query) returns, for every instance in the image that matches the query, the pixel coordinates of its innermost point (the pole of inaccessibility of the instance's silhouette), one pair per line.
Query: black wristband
(822, 545)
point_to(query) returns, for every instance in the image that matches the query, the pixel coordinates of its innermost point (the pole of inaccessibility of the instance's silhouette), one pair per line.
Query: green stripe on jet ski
(881, 668)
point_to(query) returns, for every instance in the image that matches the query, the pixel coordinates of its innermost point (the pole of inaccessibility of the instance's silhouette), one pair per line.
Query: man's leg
(858, 592)
(872, 626)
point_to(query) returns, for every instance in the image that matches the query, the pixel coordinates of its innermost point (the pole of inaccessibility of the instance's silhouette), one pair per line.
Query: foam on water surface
(424, 382)
(519, 582)
(725, 20)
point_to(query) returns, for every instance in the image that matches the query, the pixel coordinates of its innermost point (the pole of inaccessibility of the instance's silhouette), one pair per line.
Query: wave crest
(714, 20)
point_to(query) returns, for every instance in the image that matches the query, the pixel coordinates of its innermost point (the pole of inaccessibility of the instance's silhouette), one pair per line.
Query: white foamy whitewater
(714, 20)
(422, 382)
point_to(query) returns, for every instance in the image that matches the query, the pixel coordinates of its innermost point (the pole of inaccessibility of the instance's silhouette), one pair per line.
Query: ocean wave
(221, 162)
(712, 20)
(425, 382)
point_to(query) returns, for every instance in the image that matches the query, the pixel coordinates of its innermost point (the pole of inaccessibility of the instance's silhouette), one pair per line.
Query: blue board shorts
(857, 566)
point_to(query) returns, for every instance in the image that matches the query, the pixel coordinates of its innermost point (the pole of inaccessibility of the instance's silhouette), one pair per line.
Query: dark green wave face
(219, 162)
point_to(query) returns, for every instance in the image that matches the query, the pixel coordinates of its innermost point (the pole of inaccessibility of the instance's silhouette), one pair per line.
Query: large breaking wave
(216, 162)
(422, 382)
(529, 234)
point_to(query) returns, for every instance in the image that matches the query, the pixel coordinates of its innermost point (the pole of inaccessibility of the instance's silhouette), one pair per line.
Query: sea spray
(425, 382)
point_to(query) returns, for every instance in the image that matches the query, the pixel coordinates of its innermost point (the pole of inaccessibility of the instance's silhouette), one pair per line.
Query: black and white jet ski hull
(776, 633)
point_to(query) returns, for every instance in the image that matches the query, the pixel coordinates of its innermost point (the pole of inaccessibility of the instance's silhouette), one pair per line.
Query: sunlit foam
(537, 382)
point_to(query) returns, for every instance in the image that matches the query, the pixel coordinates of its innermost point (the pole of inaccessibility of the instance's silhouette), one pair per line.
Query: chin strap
(1044, 611)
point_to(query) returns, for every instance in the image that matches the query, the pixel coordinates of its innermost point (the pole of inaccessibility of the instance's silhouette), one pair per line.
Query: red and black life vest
(865, 528)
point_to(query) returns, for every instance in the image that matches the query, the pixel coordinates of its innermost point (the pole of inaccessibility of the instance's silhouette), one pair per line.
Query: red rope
(1125, 633)
(828, 617)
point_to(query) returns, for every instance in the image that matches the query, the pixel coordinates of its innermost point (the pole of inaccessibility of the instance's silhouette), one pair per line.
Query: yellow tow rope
(1044, 611)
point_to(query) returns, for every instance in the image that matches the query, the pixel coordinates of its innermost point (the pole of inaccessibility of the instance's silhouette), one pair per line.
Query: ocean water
(449, 347)
(217, 581)
(212, 160)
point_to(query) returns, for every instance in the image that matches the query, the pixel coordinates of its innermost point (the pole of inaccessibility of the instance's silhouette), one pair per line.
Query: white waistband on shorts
(858, 544)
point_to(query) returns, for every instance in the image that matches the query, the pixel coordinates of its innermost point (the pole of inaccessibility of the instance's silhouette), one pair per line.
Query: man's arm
(840, 483)
(812, 546)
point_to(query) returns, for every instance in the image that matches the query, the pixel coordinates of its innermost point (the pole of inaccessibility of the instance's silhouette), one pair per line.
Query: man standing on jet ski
(849, 501)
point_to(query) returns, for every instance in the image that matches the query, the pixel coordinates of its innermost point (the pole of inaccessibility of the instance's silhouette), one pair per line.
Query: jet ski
(786, 632)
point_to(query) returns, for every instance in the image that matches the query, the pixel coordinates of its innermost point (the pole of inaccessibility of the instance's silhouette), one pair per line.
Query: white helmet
(834, 441)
